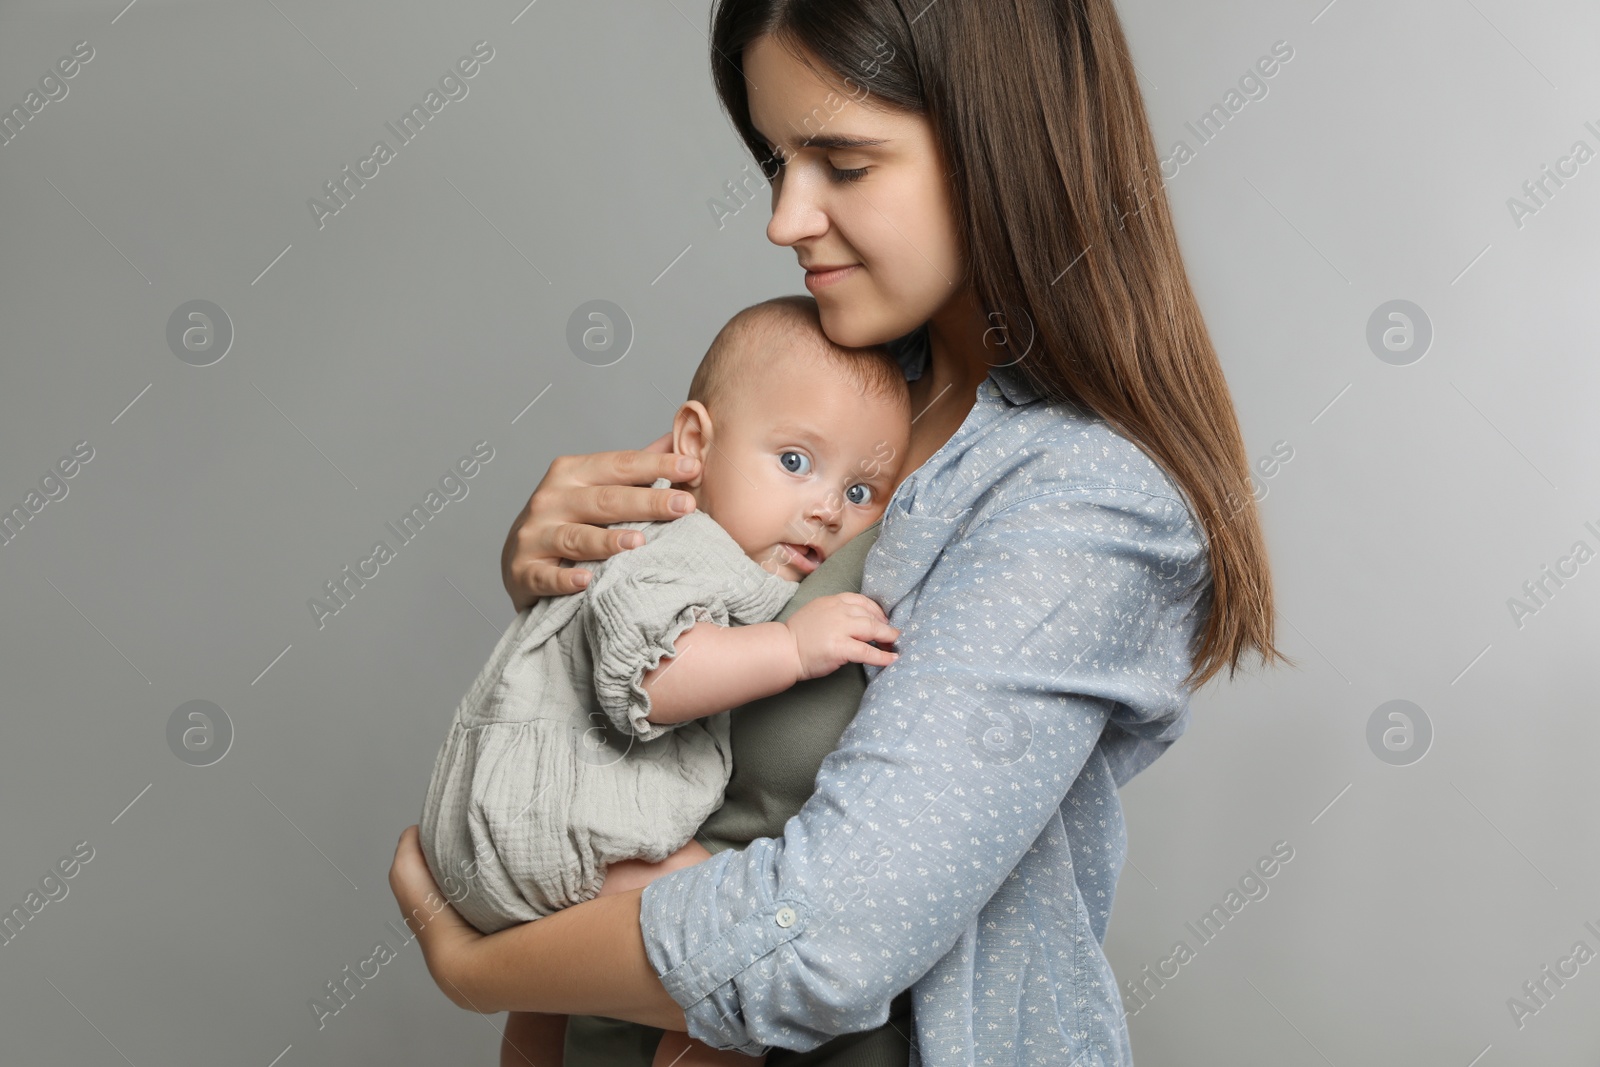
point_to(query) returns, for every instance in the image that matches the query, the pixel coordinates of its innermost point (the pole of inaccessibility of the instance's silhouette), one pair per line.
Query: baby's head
(800, 441)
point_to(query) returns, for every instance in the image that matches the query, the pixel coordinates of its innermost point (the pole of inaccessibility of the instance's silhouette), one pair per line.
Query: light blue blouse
(966, 836)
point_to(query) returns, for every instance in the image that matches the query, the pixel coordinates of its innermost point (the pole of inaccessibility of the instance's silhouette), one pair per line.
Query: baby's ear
(692, 435)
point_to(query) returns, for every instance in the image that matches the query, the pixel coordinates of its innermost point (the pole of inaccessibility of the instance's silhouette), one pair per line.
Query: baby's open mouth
(806, 552)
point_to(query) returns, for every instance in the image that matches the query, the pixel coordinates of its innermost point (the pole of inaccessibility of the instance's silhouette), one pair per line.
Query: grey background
(430, 312)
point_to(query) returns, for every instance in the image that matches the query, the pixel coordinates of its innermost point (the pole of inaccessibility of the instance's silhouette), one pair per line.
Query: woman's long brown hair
(1056, 182)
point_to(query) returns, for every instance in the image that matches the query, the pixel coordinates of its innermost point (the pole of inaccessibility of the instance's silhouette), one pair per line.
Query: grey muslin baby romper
(550, 770)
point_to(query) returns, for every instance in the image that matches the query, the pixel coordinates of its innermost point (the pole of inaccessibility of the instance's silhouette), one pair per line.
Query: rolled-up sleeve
(1029, 634)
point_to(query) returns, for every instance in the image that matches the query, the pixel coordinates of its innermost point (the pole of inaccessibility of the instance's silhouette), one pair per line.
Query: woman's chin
(855, 326)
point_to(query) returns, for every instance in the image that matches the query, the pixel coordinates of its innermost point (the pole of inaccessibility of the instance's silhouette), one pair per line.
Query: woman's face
(883, 209)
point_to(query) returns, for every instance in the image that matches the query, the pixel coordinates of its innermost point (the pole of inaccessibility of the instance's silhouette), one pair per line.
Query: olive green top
(779, 743)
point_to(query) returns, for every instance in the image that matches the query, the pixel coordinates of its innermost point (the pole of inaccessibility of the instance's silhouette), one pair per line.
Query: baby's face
(802, 462)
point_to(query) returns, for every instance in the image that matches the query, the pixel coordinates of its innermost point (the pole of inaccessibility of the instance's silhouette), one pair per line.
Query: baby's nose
(827, 509)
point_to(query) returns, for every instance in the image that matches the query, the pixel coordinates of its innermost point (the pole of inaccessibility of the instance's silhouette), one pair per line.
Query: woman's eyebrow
(831, 140)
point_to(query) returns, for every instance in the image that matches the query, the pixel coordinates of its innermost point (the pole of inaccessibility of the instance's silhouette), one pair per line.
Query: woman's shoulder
(1093, 452)
(1045, 476)
(1050, 449)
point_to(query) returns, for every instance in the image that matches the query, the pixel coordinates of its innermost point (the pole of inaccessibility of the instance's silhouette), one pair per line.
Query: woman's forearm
(721, 667)
(587, 959)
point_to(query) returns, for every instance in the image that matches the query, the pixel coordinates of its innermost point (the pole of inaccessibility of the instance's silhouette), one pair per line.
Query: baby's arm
(720, 667)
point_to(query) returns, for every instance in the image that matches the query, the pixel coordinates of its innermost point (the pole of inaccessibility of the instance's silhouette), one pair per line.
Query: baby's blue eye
(865, 488)
(804, 461)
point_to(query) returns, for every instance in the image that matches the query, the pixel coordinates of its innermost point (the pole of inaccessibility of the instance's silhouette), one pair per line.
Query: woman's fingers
(600, 504)
(584, 534)
(579, 495)
(552, 579)
(633, 466)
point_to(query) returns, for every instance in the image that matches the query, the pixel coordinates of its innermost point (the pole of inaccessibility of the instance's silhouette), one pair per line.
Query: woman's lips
(819, 279)
(803, 557)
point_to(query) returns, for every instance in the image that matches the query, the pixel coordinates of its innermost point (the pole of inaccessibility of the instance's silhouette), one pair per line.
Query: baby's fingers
(864, 601)
(878, 631)
(861, 652)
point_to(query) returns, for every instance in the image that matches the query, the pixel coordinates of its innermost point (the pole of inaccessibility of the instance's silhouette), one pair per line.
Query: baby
(594, 743)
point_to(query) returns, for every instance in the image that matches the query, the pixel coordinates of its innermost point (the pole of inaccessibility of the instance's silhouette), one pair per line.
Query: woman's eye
(772, 167)
(801, 463)
(865, 496)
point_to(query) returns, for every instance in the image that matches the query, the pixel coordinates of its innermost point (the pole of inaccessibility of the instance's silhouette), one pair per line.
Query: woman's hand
(578, 495)
(444, 935)
(587, 959)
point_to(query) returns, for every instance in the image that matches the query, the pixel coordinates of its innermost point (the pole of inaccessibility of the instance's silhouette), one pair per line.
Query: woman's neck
(957, 365)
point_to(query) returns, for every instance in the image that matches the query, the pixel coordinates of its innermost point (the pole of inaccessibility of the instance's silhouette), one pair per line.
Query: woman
(1073, 550)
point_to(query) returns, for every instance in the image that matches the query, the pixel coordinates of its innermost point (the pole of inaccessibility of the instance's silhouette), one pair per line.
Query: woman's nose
(796, 212)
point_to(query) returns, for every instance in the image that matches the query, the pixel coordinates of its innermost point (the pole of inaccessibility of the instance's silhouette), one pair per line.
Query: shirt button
(994, 390)
(785, 916)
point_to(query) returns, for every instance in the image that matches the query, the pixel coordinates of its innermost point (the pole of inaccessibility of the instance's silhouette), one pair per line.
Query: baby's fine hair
(786, 324)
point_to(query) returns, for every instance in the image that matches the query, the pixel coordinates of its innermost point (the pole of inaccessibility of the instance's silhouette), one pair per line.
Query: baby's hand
(831, 631)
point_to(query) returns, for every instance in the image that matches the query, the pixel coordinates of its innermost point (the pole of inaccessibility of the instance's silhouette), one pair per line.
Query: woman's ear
(691, 436)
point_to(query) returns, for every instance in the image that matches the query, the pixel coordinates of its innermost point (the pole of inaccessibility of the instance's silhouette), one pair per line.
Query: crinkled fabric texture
(965, 838)
(779, 743)
(550, 770)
